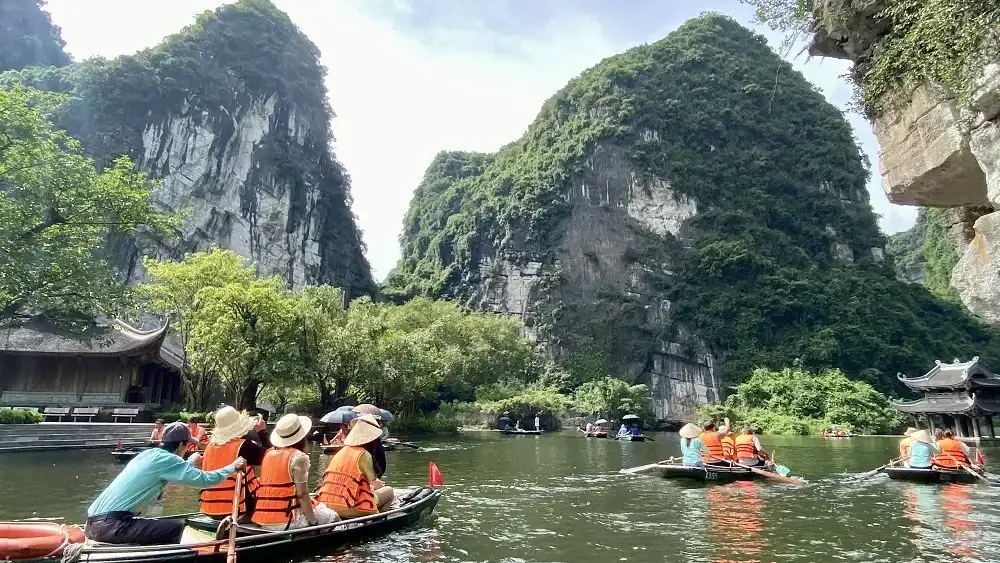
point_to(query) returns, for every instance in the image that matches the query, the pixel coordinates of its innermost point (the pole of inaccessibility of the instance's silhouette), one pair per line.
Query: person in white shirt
(538, 423)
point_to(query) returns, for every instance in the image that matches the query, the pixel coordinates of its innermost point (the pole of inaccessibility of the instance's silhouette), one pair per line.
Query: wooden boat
(331, 449)
(596, 435)
(708, 474)
(631, 438)
(256, 545)
(125, 455)
(935, 475)
(521, 432)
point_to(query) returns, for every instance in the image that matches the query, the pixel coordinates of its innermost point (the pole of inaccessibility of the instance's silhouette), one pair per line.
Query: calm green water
(559, 498)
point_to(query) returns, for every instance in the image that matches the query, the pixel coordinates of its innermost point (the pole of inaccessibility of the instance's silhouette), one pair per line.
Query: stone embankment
(70, 435)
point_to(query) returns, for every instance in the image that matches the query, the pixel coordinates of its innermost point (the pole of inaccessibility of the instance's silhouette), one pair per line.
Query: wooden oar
(409, 445)
(644, 468)
(231, 550)
(970, 470)
(868, 474)
(761, 472)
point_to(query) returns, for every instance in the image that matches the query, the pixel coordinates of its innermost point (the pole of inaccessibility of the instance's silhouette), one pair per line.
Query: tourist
(351, 486)
(938, 435)
(198, 433)
(112, 518)
(157, 434)
(590, 428)
(283, 501)
(691, 446)
(748, 448)
(904, 444)
(711, 438)
(728, 447)
(920, 451)
(951, 452)
(623, 431)
(538, 422)
(634, 429)
(234, 435)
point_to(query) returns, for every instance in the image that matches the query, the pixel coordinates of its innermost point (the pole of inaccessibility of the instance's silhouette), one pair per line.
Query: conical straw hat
(922, 436)
(690, 431)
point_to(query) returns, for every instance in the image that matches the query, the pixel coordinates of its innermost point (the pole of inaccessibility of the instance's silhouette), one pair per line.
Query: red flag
(119, 444)
(434, 477)
(979, 457)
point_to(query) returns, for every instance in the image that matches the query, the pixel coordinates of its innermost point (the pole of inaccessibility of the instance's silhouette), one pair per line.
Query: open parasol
(631, 417)
(338, 417)
(600, 421)
(368, 408)
(385, 415)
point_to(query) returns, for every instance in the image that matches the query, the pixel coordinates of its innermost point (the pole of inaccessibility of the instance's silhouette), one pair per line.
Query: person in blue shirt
(634, 430)
(623, 431)
(921, 450)
(692, 446)
(112, 517)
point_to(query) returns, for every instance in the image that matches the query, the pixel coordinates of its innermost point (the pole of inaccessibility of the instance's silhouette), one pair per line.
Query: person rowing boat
(712, 439)
(749, 450)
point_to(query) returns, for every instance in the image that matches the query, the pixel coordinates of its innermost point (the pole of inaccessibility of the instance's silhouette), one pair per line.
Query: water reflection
(942, 519)
(734, 513)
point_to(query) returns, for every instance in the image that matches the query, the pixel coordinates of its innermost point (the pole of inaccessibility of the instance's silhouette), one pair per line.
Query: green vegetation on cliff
(926, 253)
(943, 41)
(28, 37)
(782, 260)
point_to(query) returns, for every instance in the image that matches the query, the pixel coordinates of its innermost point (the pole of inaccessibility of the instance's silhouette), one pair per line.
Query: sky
(409, 78)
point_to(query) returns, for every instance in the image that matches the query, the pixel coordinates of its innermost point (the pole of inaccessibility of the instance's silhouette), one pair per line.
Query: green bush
(424, 423)
(185, 416)
(11, 416)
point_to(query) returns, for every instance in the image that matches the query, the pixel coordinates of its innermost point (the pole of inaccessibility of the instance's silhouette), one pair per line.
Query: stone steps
(67, 436)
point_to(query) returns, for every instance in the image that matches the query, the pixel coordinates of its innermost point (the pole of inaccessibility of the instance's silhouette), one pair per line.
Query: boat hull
(931, 475)
(596, 435)
(522, 432)
(267, 547)
(126, 455)
(631, 438)
(708, 474)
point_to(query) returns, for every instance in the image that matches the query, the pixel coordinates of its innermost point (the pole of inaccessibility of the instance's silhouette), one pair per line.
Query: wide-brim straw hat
(290, 430)
(364, 429)
(922, 436)
(690, 431)
(909, 431)
(229, 424)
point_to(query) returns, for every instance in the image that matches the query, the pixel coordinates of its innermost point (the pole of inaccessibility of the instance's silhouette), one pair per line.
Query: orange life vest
(344, 486)
(218, 500)
(728, 447)
(276, 496)
(340, 436)
(714, 446)
(198, 433)
(951, 450)
(745, 448)
(904, 447)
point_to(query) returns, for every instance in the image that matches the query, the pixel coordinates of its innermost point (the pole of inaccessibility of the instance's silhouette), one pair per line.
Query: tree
(55, 211)
(244, 333)
(612, 398)
(171, 289)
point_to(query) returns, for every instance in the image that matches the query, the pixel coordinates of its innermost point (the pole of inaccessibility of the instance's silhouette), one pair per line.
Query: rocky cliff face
(230, 115)
(674, 217)
(939, 148)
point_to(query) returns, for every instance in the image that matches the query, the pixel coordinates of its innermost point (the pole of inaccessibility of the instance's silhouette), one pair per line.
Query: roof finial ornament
(956, 361)
(975, 359)
(937, 362)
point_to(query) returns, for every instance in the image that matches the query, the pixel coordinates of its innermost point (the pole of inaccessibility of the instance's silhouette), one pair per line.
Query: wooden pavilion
(962, 396)
(111, 364)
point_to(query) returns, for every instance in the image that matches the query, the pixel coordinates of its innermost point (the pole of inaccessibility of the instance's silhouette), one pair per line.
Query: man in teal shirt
(112, 516)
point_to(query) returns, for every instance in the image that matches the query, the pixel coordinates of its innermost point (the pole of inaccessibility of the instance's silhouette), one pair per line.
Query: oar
(231, 550)
(868, 474)
(644, 468)
(409, 445)
(969, 469)
(761, 472)
(781, 469)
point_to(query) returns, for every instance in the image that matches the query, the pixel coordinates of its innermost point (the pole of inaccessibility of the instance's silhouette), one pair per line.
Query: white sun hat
(290, 430)
(229, 424)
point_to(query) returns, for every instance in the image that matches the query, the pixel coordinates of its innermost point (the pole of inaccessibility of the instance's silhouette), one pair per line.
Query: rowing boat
(521, 432)
(595, 435)
(631, 438)
(935, 475)
(707, 474)
(125, 455)
(256, 545)
(330, 449)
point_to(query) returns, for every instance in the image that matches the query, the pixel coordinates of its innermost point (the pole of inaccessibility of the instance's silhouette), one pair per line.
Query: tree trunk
(247, 399)
(325, 400)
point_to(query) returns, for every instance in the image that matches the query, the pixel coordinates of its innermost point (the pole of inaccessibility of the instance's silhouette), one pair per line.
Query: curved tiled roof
(949, 403)
(952, 376)
(113, 338)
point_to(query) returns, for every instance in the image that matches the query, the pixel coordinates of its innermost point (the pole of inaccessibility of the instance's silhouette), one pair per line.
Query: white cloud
(399, 100)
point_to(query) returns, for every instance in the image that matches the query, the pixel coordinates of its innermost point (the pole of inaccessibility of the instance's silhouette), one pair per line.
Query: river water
(559, 497)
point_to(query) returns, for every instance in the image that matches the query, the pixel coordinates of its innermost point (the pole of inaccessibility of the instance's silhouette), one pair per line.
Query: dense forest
(28, 37)
(784, 259)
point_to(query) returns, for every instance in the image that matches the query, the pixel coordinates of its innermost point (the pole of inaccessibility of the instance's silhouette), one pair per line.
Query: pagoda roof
(955, 375)
(960, 402)
(38, 336)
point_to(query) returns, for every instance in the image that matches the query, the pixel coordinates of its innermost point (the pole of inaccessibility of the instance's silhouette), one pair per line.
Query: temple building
(111, 364)
(962, 396)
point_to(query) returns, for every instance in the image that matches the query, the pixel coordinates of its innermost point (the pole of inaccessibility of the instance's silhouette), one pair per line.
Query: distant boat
(510, 431)
(125, 455)
(598, 434)
(631, 438)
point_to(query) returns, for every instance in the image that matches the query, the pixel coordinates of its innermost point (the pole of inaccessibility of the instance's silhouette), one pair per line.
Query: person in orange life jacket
(904, 444)
(283, 501)
(157, 434)
(112, 517)
(712, 439)
(234, 435)
(198, 433)
(728, 447)
(748, 449)
(350, 484)
(951, 452)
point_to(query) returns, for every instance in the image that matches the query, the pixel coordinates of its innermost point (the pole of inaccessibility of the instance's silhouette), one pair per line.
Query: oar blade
(782, 470)
(640, 469)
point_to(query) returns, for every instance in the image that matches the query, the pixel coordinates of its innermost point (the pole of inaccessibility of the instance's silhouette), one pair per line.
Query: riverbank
(70, 435)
